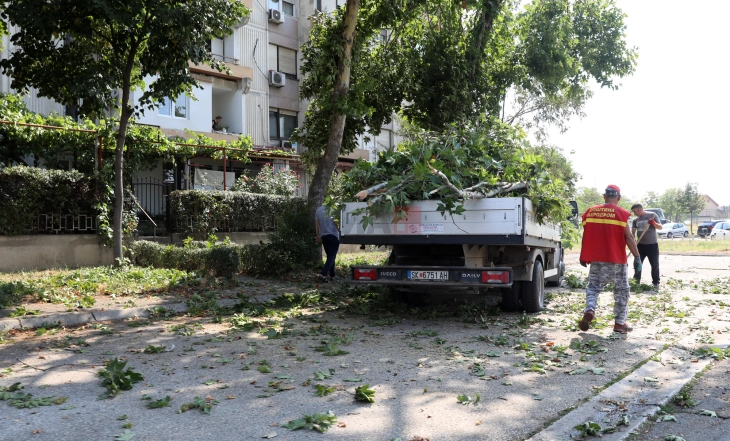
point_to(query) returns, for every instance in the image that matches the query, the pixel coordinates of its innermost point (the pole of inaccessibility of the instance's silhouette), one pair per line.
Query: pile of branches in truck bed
(482, 159)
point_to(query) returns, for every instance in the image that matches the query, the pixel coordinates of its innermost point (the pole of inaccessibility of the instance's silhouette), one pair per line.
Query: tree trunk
(327, 163)
(117, 237)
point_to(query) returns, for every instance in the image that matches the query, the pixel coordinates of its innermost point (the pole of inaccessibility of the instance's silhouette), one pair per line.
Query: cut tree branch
(505, 187)
(367, 192)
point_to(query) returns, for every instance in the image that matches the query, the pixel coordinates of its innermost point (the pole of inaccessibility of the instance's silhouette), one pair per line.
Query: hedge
(292, 247)
(27, 192)
(205, 212)
(220, 260)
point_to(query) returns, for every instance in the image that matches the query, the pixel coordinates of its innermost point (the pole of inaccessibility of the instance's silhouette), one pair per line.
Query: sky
(664, 126)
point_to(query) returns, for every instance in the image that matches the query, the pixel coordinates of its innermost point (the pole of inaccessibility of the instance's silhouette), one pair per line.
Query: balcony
(238, 72)
(358, 154)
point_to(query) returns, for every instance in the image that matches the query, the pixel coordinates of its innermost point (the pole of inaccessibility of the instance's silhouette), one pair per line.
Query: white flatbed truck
(495, 244)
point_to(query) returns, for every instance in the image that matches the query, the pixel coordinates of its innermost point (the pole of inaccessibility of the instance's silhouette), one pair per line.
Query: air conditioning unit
(276, 79)
(275, 16)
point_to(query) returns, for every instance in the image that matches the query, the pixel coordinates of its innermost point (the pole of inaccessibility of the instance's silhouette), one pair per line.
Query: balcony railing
(226, 59)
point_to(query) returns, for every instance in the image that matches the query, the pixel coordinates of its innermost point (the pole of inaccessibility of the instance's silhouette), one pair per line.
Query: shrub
(203, 212)
(268, 181)
(224, 260)
(144, 253)
(292, 247)
(27, 192)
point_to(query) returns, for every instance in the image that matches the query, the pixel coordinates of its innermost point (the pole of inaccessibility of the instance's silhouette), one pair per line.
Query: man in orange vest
(606, 233)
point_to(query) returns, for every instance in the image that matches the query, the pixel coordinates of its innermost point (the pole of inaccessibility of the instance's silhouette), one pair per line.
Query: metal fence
(150, 193)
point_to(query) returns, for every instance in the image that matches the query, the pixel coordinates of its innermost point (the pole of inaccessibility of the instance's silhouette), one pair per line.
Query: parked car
(674, 229)
(660, 214)
(705, 228)
(721, 231)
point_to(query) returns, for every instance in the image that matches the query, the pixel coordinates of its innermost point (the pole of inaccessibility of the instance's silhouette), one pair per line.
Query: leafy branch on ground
(318, 421)
(204, 405)
(467, 400)
(116, 379)
(588, 428)
(365, 395)
(21, 400)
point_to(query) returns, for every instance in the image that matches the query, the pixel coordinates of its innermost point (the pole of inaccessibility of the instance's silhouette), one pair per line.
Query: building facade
(260, 96)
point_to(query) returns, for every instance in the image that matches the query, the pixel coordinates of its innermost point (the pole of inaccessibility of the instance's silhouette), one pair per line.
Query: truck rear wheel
(533, 295)
(511, 297)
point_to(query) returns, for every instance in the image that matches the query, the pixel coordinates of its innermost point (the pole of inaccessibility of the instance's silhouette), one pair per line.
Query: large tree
(445, 62)
(691, 201)
(82, 53)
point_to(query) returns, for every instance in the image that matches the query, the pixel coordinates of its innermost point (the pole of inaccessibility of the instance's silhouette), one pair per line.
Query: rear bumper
(457, 277)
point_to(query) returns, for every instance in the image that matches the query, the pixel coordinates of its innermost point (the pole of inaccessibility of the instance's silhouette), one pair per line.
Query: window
(174, 109)
(281, 124)
(283, 60)
(383, 36)
(287, 8)
(319, 5)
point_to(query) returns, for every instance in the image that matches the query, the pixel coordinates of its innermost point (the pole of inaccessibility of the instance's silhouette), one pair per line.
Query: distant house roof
(711, 201)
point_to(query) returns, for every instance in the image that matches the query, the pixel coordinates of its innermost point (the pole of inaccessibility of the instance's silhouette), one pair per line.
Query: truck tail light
(365, 274)
(495, 276)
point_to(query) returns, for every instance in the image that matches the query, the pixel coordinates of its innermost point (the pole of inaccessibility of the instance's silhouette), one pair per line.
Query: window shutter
(273, 64)
(287, 61)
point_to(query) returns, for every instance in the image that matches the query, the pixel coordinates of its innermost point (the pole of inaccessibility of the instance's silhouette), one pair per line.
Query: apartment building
(260, 96)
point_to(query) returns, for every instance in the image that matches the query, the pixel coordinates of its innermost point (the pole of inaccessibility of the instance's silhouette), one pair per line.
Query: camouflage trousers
(599, 275)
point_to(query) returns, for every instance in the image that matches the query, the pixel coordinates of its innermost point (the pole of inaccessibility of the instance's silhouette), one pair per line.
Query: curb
(641, 398)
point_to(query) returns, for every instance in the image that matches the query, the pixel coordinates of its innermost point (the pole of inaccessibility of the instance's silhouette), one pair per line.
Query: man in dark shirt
(217, 123)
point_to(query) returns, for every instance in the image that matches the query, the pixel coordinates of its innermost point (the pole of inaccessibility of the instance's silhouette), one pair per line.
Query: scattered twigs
(41, 369)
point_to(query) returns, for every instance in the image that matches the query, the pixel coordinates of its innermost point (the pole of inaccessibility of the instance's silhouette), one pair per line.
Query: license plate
(428, 275)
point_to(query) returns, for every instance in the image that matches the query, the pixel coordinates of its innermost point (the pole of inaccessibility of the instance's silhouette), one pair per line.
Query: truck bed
(494, 221)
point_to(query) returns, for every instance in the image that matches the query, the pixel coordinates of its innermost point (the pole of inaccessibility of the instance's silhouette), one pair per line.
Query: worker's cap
(613, 190)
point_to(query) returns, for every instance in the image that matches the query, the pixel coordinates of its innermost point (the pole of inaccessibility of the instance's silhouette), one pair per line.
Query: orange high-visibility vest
(603, 234)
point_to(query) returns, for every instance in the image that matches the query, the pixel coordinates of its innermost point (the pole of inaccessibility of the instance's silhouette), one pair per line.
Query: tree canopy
(441, 64)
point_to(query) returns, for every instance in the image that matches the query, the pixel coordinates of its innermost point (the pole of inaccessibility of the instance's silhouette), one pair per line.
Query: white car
(721, 231)
(673, 229)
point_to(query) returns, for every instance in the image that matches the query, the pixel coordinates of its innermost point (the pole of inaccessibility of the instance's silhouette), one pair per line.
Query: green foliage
(198, 403)
(224, 260)
(152, 349)
(152, 254)
(162, 402)
(76, 288)
(101, 59)
(320, 422)
(13, 292)
(205, 212)
(322, 390)
(452, 72)
(122, 46)
(291, 246)
(116, 379)
(691, 200)
(476, 159)
(21, 400)
(365, 395)
(26, 192)
(467, 400)
(588, 428)
(268, 181)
